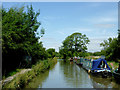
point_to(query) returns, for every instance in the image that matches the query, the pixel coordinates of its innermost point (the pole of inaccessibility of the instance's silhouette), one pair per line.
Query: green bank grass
(14, 72)
(114, 65)
(22, 80)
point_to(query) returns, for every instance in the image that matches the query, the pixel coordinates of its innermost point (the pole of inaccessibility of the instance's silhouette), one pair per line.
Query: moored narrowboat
(80, 61)
(97, 67)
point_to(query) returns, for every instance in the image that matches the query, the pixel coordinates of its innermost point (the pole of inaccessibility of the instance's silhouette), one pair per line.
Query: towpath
(3, 82)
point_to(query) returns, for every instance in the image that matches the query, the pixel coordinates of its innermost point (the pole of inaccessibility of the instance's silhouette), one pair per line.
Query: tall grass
(22, 80)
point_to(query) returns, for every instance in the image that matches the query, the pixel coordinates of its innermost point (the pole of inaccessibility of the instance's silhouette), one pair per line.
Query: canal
(69, 75)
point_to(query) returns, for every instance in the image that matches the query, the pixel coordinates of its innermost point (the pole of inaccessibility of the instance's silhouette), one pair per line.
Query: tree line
(74, 45)
(20, 38)
(111, 48)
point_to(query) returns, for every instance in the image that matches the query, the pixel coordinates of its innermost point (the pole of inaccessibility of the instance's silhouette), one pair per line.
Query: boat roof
(97, 62)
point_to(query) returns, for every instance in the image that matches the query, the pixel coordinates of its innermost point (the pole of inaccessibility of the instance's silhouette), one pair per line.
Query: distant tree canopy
(51, 53)
(74, 45)
(111, 48)
(96, 54)
(20, 37)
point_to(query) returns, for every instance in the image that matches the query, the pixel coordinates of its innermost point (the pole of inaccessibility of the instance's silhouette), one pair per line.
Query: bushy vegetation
(13, 72)
(51, 53)
(112, 48)
(113, 65)
(20, 38)
(22, 80)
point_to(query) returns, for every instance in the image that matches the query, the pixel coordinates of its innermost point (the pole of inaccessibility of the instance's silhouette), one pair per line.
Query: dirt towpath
(3, 82)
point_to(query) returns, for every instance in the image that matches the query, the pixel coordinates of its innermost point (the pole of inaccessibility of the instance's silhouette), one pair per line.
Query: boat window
(102, 65)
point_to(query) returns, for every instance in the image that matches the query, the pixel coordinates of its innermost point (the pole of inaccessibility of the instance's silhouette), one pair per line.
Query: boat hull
(102, 74)
(116, 76)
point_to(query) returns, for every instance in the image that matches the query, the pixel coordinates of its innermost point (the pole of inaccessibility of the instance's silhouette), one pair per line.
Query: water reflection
(37, 82)
(69, 75)
(99, 82)
(74, 76)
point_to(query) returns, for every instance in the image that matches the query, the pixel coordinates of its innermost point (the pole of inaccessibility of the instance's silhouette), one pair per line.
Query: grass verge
(22, 80)
(113, 65)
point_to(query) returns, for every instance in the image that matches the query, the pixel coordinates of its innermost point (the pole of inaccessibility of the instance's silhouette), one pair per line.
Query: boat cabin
(94, 65)
(100, 64)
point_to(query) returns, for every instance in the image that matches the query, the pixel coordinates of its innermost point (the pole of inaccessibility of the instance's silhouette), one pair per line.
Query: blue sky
(98, 20)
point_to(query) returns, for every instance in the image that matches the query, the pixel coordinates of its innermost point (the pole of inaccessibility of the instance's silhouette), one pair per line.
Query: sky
(97, 20)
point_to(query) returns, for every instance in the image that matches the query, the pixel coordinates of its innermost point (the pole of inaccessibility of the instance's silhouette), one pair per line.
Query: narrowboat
(97, 67)
(116, 73)
(80, 61)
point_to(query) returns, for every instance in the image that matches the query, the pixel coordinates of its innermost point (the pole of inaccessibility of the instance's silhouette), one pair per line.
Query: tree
(19, 39)
(74, 44)
(51, 52)
(42, 32)
(118, 43)
(110, 48)
(57, 54)
(97, 54)
(106, 43)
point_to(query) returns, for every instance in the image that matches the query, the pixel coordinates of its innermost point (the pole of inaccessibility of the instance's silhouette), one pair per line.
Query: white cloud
(106, 19)
(47, 39)
(60, 32)
(105, 25)
(81, 29)
(72, 30)
(49, 42)
(101, 20)
(52, 17)
(54, 45)
(94, 44)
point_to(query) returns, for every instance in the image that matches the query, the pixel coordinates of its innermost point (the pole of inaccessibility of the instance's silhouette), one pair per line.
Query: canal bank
(22, 80)
(70, 75)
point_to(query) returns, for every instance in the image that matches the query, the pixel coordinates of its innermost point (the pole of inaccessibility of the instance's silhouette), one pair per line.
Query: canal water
(70, 75)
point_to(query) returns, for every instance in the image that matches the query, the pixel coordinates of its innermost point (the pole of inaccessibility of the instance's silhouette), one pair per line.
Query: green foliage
(14, 72)
(42, 32)
(51, 53)
(23, 79)
(19, 38)
(57, 54)
(97, 54)
(106, 43)
(73, 45)
(111, 48)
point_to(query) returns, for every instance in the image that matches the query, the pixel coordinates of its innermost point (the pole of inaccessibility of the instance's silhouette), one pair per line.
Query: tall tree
(74, 43)
(106, 43)
(110, 48)
(19, 39)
